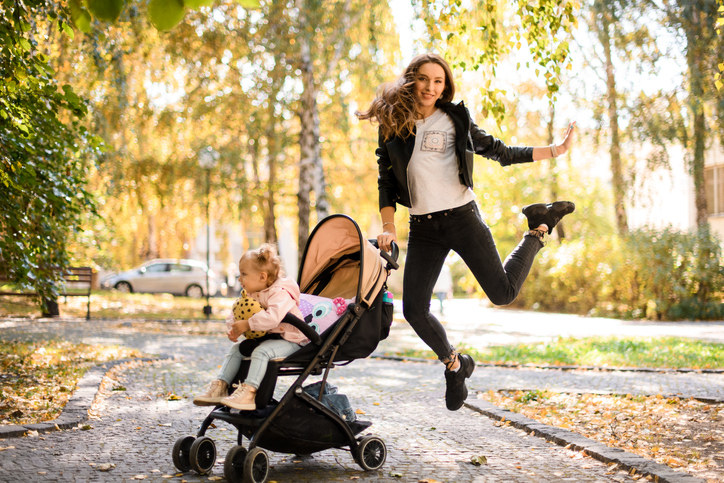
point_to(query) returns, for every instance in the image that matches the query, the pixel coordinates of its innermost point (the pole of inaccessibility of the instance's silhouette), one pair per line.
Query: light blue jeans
(267, 350)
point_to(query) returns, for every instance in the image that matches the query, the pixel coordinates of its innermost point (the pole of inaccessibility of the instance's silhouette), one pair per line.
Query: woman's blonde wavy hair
(395, 106)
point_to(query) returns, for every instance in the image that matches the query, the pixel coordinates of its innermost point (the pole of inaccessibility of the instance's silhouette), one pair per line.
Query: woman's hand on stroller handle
(390, 255)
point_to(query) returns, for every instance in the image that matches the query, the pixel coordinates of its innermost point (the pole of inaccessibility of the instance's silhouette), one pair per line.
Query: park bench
(77, 283)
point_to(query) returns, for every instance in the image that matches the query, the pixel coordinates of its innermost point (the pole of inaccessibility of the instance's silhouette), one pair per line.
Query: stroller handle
(390, 257)
(310, 333)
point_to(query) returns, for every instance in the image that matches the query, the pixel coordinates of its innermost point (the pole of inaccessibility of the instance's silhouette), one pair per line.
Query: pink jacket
(279, 299)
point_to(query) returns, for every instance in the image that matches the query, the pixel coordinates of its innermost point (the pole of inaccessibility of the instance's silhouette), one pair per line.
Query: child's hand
(231, 336)
(237, 328)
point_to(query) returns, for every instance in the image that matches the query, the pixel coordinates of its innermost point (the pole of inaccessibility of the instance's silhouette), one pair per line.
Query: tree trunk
(619, 187)
(270, 232)
(694, 58)
(309, 129)
(553, 174)
(152, 251)
(311, 168)
(308, 139)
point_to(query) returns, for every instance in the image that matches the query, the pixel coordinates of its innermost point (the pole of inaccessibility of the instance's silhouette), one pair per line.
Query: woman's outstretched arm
(555, 149)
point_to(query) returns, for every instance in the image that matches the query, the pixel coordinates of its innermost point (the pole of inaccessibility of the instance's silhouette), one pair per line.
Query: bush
(649, 274)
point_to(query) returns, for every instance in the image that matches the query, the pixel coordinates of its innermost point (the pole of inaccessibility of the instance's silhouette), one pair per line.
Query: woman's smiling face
(429, 86)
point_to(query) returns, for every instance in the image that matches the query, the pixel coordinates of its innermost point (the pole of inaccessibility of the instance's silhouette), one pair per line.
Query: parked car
(179, 277)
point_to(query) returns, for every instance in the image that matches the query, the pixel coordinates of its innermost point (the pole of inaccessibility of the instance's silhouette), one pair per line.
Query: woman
(425, 158)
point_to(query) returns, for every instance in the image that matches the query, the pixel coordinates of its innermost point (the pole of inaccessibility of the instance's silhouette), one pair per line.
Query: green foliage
(42, 145)
(649, 274)
(106, 10)
(163, 14)
(476, 38)
(668, 352)
(672, 352)
(166, 14)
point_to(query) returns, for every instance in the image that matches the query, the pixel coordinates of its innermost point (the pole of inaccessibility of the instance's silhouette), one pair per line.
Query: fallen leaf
(165, 424)
(427, 480)
(479, 460)
(375, 404)
(396, 475)
(359, 411)
(139, 477)
(106, 466)
(7, 447)
(173, 397)
(214, 478)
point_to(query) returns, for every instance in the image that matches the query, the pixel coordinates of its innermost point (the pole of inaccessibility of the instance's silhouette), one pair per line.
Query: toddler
(261, 275)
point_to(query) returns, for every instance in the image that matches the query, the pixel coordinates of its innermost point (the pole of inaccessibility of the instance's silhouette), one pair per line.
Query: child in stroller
(261, 275)
(338, 263)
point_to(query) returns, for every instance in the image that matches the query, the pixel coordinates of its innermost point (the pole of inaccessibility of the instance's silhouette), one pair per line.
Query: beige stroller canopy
(339, 262)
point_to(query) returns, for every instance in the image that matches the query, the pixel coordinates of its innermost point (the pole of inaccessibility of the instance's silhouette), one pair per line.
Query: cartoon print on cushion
(244, 307)
(321, 312)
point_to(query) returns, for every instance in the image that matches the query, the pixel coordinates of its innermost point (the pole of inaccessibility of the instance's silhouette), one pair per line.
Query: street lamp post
(207, 160)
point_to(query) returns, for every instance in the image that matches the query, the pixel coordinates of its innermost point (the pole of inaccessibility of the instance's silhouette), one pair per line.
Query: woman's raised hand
(568, 138)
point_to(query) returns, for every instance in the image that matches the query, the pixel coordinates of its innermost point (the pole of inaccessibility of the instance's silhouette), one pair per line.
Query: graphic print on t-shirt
(434, 141)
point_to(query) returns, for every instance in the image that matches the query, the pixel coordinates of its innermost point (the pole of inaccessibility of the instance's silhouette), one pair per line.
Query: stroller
(337, 263)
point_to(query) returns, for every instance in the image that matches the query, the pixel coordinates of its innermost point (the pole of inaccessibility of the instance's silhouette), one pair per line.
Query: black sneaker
(456, 392)
(550, 213)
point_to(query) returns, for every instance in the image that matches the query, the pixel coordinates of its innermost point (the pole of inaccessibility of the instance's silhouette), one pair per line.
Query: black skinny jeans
(462, 229)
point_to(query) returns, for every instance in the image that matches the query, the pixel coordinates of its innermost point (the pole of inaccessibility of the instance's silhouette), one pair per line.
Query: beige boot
(213, 394)
(242, 398)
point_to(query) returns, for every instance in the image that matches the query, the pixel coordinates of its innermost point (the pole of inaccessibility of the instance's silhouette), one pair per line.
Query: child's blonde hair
(266, 259)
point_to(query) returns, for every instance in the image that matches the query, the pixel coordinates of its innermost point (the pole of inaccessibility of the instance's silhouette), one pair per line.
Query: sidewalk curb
(707, 400)
(76, 409)
(628, 461)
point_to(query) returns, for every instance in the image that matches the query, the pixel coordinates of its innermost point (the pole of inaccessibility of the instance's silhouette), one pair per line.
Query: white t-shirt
(433, 170)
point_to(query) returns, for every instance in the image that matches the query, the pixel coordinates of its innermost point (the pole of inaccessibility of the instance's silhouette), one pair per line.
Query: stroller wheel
(180, 453)
(371, 453)
(234, 464)
(256, 466)
(202, 455)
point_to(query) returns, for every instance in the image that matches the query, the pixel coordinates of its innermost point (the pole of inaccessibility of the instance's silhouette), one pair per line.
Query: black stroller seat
(335, 257)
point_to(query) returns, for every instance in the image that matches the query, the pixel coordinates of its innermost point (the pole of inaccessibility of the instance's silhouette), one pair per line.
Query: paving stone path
(134, 429)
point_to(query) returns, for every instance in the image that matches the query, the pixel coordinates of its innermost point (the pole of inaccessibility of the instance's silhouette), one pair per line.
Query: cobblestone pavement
(134, 429)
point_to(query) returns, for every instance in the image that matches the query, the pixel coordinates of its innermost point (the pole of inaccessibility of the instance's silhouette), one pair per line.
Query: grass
(112, 304)
(663, 352)
(38, 378)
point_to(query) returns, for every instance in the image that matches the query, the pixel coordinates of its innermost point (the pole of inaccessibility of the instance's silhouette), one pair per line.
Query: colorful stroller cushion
(322, 312)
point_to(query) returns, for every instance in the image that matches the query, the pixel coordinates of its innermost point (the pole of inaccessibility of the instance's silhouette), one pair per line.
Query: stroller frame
(251, 464)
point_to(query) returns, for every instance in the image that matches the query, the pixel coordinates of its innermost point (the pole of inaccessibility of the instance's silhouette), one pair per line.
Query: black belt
(443, 213)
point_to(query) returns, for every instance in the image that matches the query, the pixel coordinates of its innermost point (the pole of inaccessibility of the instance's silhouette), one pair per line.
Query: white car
(178, 277)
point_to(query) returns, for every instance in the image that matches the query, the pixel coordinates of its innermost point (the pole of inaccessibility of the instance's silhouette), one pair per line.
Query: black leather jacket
(393, 155)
